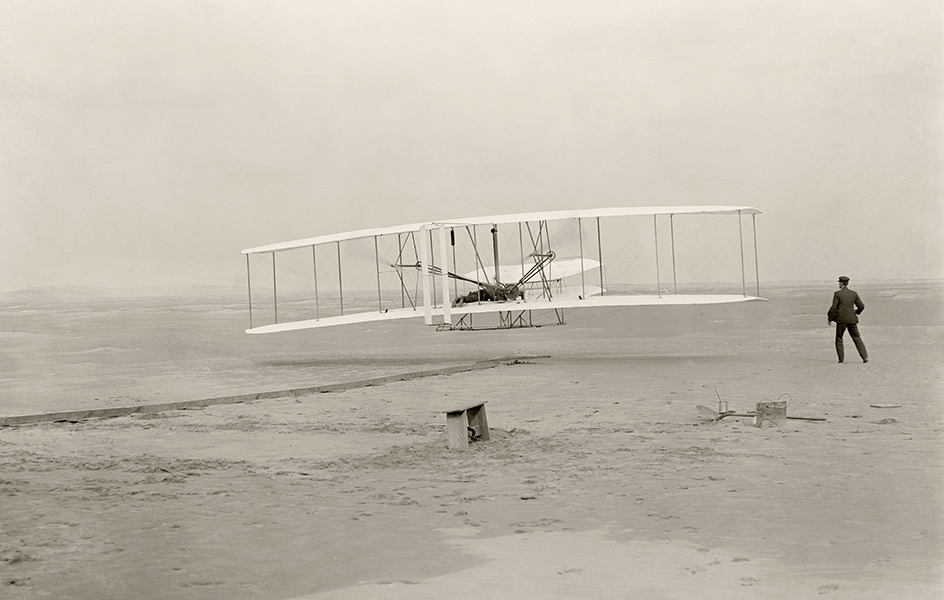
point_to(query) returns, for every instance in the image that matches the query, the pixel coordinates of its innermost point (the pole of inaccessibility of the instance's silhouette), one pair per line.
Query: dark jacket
(846, 307)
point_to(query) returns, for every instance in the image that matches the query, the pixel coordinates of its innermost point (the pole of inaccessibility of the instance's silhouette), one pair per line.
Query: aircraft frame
(559, 254)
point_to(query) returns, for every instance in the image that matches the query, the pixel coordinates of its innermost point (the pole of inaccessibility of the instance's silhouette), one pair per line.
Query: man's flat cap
(843, 279)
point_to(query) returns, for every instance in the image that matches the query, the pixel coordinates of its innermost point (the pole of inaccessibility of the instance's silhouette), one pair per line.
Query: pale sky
(147, 143)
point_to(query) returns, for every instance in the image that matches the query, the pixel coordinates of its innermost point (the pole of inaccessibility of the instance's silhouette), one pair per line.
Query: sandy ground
(601, 480)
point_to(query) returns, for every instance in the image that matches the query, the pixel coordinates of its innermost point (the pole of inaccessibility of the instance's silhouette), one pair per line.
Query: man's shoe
(865, 360)
(840, 362)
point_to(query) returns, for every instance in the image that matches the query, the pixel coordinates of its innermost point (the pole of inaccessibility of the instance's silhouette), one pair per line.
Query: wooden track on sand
(122, 411)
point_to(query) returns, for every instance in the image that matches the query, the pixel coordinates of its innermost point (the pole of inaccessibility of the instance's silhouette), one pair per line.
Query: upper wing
(504, 219)
(334, 238)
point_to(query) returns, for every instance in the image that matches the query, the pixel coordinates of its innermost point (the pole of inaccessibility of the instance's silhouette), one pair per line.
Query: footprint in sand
(828, 589)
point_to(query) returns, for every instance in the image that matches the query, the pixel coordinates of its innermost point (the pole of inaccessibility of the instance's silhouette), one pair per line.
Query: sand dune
(601, 479)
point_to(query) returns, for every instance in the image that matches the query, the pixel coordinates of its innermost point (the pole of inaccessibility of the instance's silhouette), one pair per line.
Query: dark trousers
(854, 334)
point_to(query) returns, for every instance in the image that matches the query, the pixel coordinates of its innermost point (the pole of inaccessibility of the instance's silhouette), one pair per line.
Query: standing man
(845, 312)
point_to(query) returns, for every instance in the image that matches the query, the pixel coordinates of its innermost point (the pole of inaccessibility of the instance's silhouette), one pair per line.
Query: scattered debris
(767, 412)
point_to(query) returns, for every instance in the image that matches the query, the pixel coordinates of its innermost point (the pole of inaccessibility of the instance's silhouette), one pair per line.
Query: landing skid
(506, 320)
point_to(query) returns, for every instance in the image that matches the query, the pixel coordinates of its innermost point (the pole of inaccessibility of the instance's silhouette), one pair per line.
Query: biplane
(500, 271)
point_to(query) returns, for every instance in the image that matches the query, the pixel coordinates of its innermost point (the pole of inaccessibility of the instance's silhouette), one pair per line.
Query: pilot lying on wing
(488, 293)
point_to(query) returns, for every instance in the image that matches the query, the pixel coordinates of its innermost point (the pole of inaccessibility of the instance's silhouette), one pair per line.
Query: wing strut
(377, 264)
(672, 238)
(275, 293)
(340, 280)
(495, 251)
(538, 245)
(452, 242)
(479, 265)
(425, 275)
(756, 267)
(600, 256)
(314, 268)
(400, 275)
(583, 285)
(521, 248)
(249, 284)
(655, 229)
(741, 241)
(446, 304)
(432, 261)
(404, 292)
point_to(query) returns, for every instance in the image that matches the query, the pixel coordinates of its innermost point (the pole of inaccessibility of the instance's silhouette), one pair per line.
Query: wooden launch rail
(122, 411)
